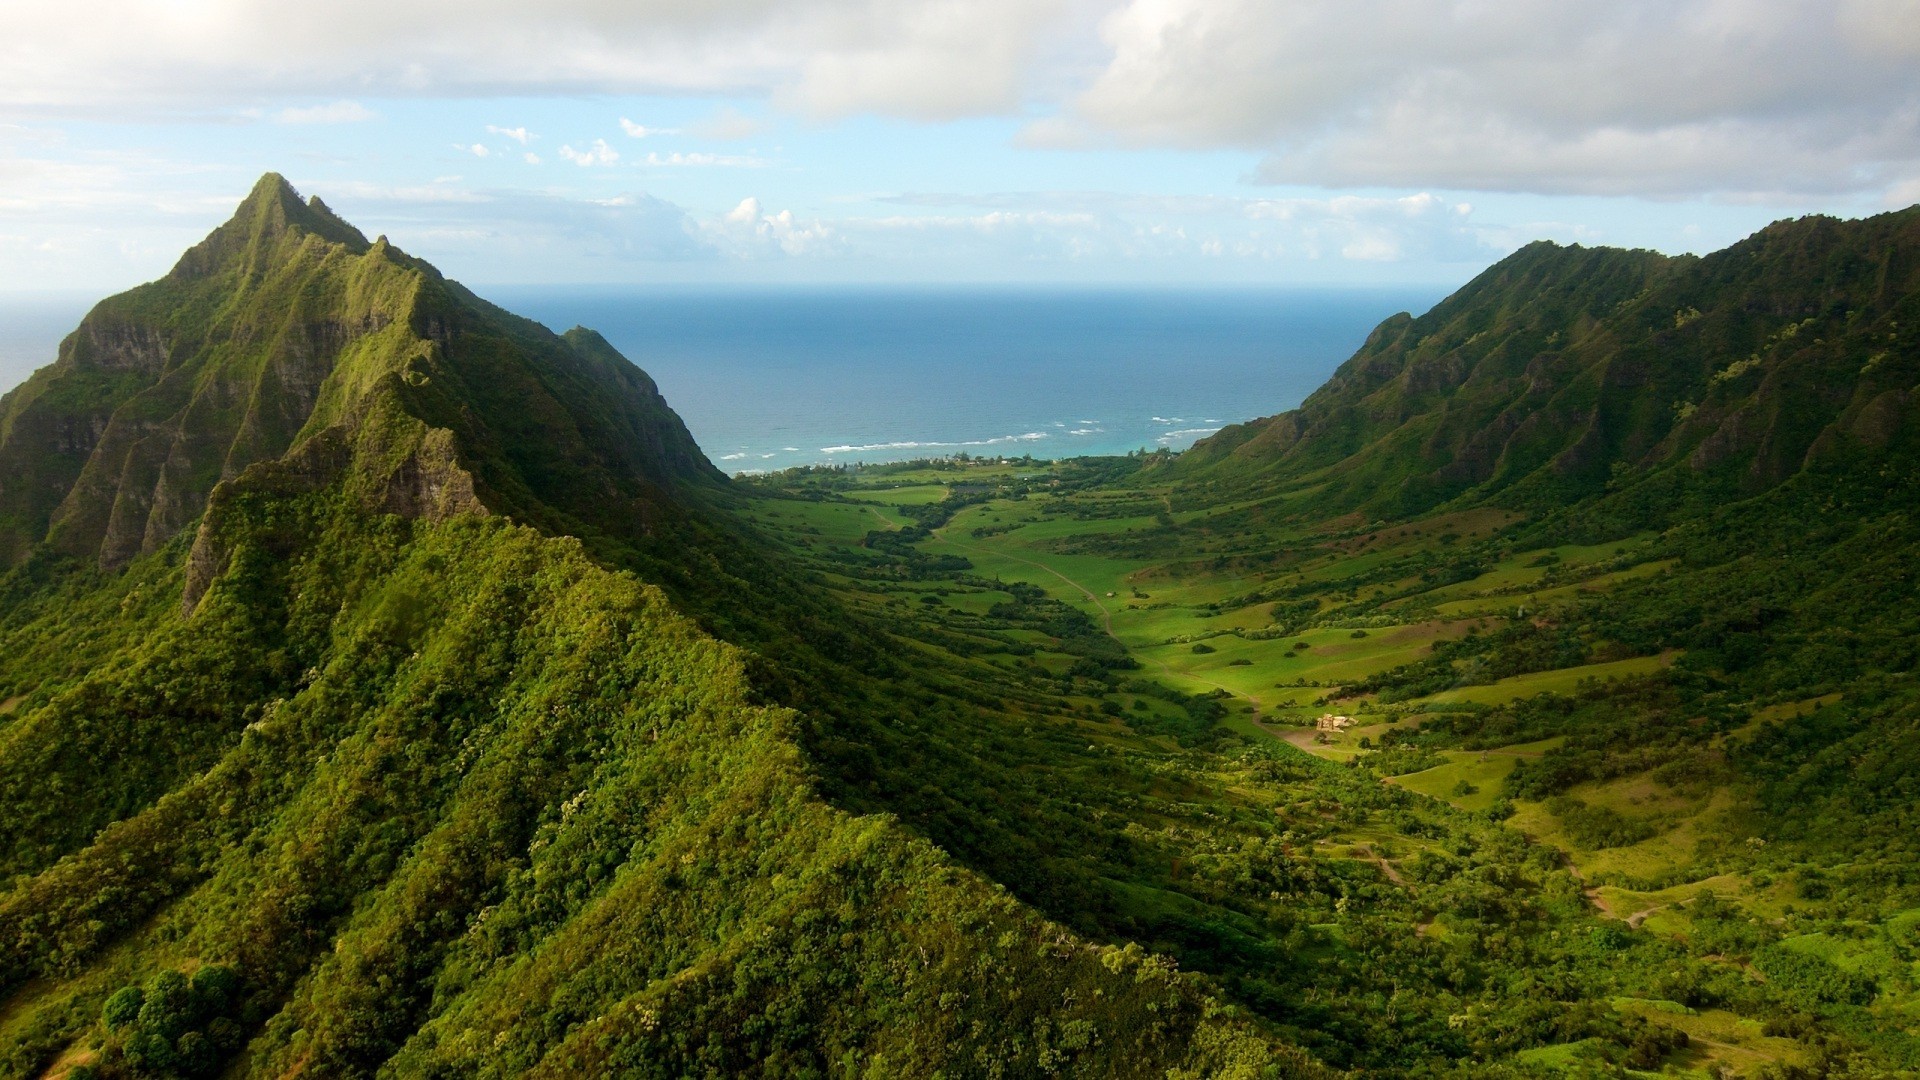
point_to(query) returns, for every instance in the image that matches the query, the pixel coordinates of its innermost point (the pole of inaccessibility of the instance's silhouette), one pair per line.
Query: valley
(390, 686)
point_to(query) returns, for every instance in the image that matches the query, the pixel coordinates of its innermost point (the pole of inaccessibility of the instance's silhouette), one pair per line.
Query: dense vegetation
(1533, 702)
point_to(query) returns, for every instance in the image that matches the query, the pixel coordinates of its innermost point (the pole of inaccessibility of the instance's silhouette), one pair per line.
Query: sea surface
(768, 378)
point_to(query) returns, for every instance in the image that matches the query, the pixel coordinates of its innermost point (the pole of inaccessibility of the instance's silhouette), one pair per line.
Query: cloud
(531, 158)
(518, 134)
(1117, 226)
(445, 189)
(641, 131)
(506, 234)
(597, 154)
(1638, 97)
(340, 112)
(747, 232)
(1643, 97)
(677, 159)
(477, 149)
(727, 124)
(934, 58)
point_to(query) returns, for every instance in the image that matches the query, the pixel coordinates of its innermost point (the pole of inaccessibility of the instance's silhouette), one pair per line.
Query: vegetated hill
(415, 781)
(1561, 370)
(286, 333)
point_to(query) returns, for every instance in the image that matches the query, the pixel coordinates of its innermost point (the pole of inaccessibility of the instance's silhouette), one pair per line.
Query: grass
(1561, 681)
(910, 495)
(1160, 610)
(1682, 819)
(1484, 772)
(1715, 1037)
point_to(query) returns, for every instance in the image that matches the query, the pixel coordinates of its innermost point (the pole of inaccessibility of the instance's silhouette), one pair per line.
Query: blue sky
(1058, 141)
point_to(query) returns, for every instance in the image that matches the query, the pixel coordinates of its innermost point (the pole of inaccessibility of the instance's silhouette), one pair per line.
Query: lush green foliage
(496, 735)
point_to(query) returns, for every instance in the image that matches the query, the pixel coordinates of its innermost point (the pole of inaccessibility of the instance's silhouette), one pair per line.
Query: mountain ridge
(1533, 382)
(418, 755)
(285, 326)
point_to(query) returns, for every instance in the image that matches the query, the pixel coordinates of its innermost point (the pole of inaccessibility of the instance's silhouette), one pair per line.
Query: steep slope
(285, 330)
(415, 782)
(1547, 375)
(446, 798)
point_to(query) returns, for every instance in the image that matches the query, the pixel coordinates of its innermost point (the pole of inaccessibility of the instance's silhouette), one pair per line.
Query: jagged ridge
(1558, 366)
(286, 333)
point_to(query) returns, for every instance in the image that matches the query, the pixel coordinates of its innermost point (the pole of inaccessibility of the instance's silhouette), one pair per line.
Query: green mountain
(390, 687)
(361, 712)
(1609, 553)
(1558, 370)
(286, 335)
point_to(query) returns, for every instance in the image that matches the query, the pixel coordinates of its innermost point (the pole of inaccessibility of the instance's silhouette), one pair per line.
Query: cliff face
(287, 332)
(1558, 368)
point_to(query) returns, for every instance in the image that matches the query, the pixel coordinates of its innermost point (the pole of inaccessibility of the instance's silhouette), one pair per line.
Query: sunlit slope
(1560, 371)
(448, 796)
(286, 330)
(363, 758)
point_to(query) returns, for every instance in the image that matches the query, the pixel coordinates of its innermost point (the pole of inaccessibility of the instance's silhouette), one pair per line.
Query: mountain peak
(286, 337)
(272, 211)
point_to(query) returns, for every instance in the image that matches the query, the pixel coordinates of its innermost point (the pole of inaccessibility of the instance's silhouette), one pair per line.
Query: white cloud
(641, 131)
(746, 213)
(339, 112)
(917, 57)
(1648, 97)
(677, 159)
(748, 232)
(531, 158)
(1111, 226)
(477, 149)
(508, 234)
(1643, 97)
(597, 154)
(518, 134)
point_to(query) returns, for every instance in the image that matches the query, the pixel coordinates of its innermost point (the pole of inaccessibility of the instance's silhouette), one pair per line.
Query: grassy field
(1470, 780)
(1200, 618)
(1562, 681)
(905, 495)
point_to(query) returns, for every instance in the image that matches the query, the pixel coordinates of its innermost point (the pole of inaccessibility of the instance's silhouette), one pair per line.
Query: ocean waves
(916, 444)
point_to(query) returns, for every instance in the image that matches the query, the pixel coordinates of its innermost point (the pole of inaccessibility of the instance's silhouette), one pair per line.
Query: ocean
(768, 378)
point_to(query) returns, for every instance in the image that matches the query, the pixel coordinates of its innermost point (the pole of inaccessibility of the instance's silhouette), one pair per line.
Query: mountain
(389, 686)
(1560, 655)
(287, 335)
(1562, 370)
(362, 712)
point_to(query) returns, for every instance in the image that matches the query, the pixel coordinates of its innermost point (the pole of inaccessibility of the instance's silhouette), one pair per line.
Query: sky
(1065, 142)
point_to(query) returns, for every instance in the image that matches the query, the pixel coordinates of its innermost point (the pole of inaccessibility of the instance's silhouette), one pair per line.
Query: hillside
(1536, 701)
(286, 334)
(1636, 691)
(1559, 371)
(360, 713)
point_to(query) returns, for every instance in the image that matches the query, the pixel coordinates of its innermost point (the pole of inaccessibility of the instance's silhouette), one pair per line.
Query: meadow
(1428, 638)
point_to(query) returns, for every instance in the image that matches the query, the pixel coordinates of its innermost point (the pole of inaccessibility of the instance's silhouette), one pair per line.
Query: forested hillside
(390, 687)
(1609, 550)
(1560, 372)
(338, 735)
